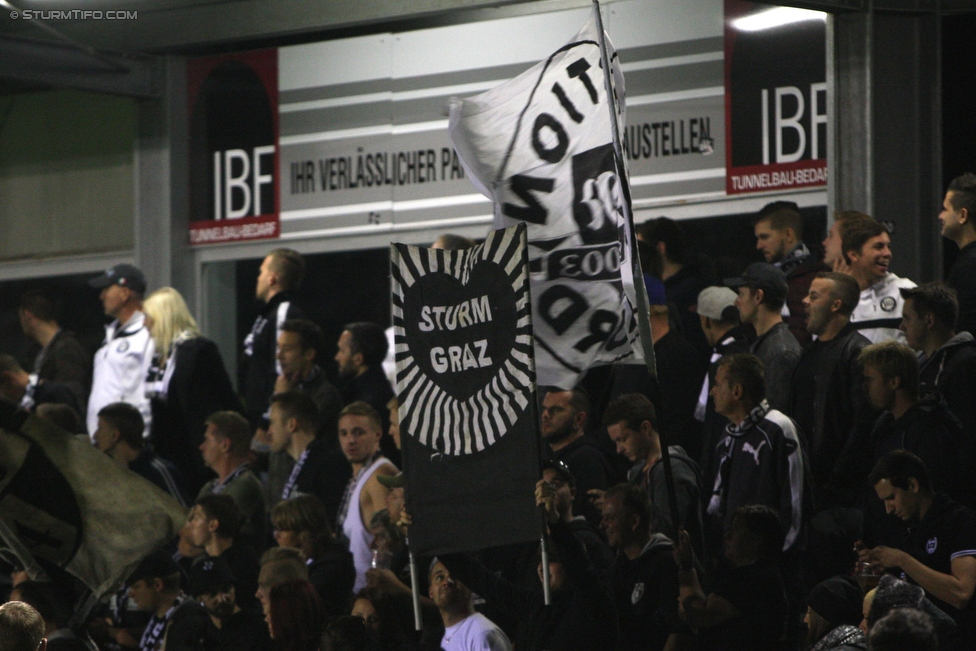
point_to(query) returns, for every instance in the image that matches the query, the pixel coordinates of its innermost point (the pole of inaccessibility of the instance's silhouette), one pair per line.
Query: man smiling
(867, 248)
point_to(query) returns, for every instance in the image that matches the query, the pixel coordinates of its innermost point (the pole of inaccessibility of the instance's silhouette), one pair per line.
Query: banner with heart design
(462, 325)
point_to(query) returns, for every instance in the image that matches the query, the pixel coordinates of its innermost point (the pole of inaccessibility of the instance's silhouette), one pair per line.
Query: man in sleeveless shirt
(360, 430)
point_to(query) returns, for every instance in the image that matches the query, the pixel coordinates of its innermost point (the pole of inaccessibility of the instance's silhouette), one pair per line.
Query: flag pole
(643, 313)
(418, 623)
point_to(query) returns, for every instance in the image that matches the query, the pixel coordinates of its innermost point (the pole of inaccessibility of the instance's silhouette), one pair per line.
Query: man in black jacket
(947, 358)
(177, 621)
(644, 574)
(581, 616)
(762, 290)
(360, 352)
(631, 424)
(919, 424)
(779, 235)
(727, 335)
(827, 402)
(62, 357)
(958, 218)
(281, 274)
(300, 345)
(830, 408)
(28, 391)
(564, 416)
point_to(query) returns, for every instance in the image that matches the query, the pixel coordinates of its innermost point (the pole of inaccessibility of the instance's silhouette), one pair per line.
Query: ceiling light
(776, 18)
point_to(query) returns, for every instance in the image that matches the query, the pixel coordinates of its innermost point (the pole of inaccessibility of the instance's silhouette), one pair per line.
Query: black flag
(466, 388)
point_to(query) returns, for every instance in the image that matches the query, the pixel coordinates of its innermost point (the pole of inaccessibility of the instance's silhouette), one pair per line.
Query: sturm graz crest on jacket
(463, 333)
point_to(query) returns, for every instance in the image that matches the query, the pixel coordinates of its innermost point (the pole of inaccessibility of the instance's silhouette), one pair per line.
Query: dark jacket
(951, 370)
(681, 290)
(736, 340)
(688, 495)
(328, 401)
(800, 271)
(198, 387)
(258, 367)
(760, 461)
(646, 592)
(590, 470)
(66, 361)
(962, 278)
(680, 372)
(333, 574)
(187, 628)
(244, 631)
(841, 421)
(581, 617)
(780, 352)
(929, 431)
(326, 474)
(161, 472)
(932, 433)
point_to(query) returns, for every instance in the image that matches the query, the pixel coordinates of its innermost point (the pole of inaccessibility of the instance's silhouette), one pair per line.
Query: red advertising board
(775, 98)
(233, 147)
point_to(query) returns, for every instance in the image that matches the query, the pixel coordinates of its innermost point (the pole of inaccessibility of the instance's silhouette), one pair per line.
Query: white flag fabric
(541, 147)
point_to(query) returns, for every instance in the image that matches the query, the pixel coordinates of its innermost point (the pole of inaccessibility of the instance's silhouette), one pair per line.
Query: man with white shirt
(464, 629)
(122, 363)
(867, 249)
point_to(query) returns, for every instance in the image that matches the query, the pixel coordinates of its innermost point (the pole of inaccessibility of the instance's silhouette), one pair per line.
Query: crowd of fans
(797, 476)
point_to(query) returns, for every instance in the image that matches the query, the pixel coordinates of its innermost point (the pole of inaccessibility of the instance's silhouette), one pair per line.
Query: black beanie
(838, 600)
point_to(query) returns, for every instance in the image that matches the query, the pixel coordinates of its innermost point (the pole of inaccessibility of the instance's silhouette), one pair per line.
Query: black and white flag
(541, 147)
(466, 388)
(64, 501)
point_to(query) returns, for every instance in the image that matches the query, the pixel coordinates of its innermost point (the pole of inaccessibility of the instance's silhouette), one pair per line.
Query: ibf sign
(240, 177)
(233, 116)
(775, 97)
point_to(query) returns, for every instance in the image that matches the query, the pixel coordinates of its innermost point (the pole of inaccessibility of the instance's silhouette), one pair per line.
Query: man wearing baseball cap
(177, 621)
(211, 582)
(762, 290)
(122, 363)
(727, 335)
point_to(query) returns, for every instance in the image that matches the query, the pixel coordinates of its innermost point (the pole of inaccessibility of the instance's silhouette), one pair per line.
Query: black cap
(124, 275)
(838, 600)
(562, 471)
(209, 574)
(157, 565)
(764, 276)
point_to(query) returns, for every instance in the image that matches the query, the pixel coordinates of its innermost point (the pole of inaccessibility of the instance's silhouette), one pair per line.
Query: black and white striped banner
(466, 386)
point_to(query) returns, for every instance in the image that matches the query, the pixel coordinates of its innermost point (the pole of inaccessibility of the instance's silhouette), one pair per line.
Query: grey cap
(712, 302)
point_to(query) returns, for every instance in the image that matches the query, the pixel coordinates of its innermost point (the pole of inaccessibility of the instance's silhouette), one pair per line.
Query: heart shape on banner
(463, 342)
(463, 347)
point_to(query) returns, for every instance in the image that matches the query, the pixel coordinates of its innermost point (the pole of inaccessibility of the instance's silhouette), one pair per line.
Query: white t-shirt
(878, 313)
(475, 633)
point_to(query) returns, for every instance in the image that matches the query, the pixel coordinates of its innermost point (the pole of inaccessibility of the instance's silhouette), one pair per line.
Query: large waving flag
(66, 502)
(541, 147)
